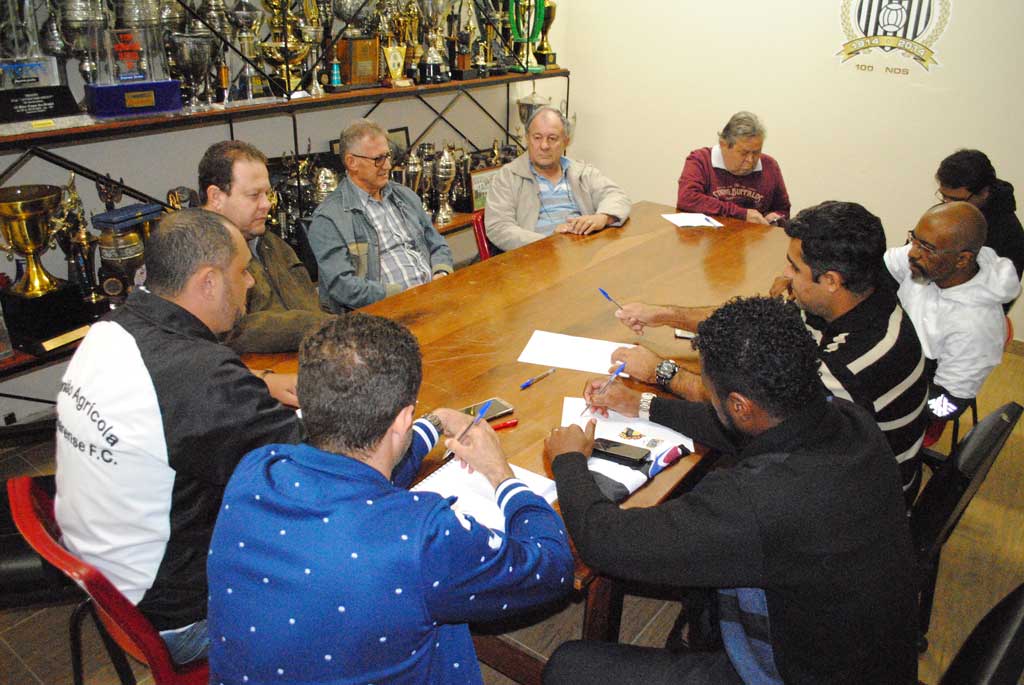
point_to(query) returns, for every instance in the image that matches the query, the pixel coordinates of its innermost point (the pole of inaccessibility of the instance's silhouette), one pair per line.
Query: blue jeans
(187, 644)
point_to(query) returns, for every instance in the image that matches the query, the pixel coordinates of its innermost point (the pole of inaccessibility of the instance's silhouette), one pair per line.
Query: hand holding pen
(603, 389)
(481, 413)
(602, 396)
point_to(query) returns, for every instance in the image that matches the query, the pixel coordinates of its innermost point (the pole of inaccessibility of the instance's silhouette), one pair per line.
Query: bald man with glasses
(953, 288)
(371, 237)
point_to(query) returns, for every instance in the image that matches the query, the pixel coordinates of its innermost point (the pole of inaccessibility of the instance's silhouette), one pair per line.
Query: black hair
(760, 348)
(843, 237)
(182, 243)
(356, 373)
(969, 169)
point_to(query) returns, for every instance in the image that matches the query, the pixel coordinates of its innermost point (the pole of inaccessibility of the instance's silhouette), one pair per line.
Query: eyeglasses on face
(929, 248)
(944, 198)
(378, 161)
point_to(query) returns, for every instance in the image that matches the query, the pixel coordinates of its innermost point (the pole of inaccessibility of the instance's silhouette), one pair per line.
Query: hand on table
(569, 439)
(756, 217)
(481, 451)
(641, 363)
(281, 387)
(439, 275)
(617, 398)
(775, 218)
(586, 224)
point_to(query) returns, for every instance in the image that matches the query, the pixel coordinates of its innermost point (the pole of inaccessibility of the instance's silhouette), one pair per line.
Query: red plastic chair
(480, 233)
(120, 622)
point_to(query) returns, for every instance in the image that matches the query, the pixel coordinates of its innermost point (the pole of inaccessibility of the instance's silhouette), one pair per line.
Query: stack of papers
(684, 219)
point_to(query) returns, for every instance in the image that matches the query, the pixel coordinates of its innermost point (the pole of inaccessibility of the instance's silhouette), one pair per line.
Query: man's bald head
(961, 224)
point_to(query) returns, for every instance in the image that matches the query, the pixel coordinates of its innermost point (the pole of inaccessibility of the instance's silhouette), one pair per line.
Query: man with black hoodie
(968, 176)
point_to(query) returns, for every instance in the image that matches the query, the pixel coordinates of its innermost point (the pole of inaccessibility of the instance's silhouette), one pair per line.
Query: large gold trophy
(40, 309)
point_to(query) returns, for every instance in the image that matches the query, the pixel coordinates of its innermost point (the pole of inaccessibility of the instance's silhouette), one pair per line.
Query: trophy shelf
(156, 123)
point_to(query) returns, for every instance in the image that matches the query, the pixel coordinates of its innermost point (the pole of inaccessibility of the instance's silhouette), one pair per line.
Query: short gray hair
(181, 244)
(357, 131)
(742, 125)
(566, 132)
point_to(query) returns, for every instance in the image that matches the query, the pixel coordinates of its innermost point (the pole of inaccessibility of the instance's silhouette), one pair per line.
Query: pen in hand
(607, 383)
(479, 415)
(609, 297)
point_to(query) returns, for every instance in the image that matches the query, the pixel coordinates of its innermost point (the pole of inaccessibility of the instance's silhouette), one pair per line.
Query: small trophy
(445, 177)
(544, 54)
(194, 56)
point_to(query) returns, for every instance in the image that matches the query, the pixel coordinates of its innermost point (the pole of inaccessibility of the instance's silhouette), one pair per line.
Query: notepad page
(476, 494)
(570, 352)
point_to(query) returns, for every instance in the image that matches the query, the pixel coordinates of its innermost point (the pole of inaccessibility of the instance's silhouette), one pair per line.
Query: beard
(919, 274)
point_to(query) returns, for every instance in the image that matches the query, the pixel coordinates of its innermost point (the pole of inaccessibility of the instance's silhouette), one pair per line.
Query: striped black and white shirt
(872, 356)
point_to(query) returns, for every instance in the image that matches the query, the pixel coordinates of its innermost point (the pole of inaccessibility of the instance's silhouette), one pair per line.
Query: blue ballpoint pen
(479, 415)
(608, 382)
(609, 297)
(530, 381)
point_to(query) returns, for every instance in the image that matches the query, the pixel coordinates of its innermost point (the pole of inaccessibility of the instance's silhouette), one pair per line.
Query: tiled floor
(982, 561)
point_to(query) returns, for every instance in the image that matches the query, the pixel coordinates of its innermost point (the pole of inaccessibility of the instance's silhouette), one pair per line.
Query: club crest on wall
(908, 26)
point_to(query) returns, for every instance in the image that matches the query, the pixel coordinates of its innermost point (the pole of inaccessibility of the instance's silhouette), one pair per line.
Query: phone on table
(499, 407)
(630, 455)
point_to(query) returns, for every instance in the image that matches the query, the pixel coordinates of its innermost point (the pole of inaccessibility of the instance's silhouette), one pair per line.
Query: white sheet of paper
(689, 219)
(476, 494)
(612, 427)
(570, 352)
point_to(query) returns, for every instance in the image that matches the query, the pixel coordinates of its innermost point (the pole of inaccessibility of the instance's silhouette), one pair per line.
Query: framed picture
(481, 181)
(399, 137)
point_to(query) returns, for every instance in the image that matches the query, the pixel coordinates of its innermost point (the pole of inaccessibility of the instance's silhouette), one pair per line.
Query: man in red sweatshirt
(733, 178)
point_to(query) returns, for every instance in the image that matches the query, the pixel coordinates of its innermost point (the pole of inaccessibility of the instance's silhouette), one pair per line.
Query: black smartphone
(499, 407)
(630, 455)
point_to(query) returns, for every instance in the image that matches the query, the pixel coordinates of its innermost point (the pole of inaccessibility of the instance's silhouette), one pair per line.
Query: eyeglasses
(378, 161)
(929, 248)
(944, 198)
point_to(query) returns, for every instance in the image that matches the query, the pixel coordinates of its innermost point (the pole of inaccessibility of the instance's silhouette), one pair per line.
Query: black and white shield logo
(903, 18)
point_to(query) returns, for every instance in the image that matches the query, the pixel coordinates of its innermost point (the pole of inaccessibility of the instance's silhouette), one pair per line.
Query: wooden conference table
(473, 324)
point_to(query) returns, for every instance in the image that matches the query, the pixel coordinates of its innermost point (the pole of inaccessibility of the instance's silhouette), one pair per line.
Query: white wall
(653, 79)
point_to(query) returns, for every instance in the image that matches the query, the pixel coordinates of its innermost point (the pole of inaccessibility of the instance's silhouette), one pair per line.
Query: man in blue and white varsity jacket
(325, 568)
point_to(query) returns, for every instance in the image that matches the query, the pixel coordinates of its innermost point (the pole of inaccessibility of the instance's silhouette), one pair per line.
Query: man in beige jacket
(542, 192)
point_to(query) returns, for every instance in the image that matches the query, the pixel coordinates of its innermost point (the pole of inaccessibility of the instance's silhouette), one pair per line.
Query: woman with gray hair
(734, 178)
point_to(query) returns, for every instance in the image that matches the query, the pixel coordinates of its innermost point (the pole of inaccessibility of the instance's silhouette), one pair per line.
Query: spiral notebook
(476, 494)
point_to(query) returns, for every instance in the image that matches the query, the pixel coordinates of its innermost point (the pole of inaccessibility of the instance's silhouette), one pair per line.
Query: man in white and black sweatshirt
(153, 414)
(802, 530)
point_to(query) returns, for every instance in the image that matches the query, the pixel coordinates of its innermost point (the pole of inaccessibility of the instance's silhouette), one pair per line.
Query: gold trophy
(40, 309)
(544, 54)
(284, 49)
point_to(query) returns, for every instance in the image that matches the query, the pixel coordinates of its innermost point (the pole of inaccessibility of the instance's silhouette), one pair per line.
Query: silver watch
(645, 405)
(665, 372)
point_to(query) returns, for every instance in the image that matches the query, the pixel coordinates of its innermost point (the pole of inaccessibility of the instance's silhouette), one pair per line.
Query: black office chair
(993, 653)
(942, 502)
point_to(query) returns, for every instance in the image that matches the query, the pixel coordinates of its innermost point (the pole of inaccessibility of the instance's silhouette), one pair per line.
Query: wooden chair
(121, 625)
(946, 496)
(993, 653)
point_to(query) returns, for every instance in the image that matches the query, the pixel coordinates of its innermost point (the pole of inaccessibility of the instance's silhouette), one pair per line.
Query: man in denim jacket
(371, 237)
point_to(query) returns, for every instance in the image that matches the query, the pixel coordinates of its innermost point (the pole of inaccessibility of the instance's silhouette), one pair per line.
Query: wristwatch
(665, 372)
(645, 405)
(435, 421)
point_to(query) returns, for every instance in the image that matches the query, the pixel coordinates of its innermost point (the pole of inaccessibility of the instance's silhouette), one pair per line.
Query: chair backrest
(32, 511)
(993, 653)
(480, 234)
(951, 488)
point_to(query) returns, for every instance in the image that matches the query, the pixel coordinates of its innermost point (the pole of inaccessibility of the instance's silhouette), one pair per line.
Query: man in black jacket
(802, 530)
(968, 176)
(153, 414)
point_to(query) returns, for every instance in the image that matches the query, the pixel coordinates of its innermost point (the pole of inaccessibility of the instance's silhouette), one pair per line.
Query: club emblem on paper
(631, 434)
(908, 26)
